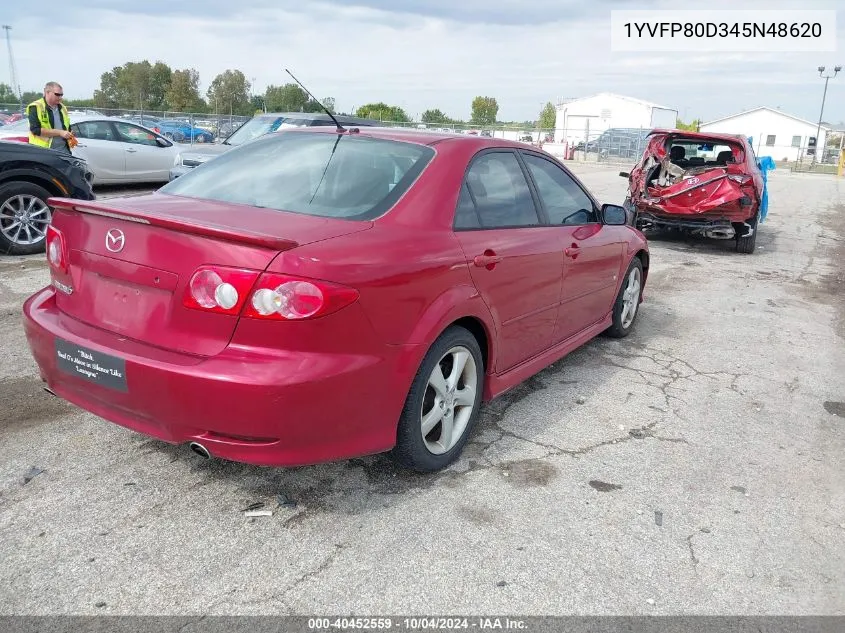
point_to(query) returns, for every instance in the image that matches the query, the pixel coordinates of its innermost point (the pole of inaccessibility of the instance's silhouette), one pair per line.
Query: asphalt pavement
(695, 467)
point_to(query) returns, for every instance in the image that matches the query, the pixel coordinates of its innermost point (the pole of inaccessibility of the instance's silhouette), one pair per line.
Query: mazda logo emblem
(115, 240)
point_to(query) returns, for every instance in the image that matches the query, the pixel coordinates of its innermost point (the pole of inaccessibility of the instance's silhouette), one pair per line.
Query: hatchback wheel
(24, 218)
(627, 304)
(746, 244)
(443, 403)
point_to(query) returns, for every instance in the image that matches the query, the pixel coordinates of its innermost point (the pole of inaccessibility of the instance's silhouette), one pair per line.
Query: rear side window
(327, 175)
(496, 189)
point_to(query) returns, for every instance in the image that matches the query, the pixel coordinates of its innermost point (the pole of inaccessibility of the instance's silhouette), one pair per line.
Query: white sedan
(118, 151)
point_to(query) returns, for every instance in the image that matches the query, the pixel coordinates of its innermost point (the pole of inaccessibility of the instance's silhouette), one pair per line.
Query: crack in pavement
(323, 566)
(692, 552)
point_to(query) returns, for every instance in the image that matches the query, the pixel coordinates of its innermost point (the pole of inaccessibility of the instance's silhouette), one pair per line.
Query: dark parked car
(316, 295)
(29, 175)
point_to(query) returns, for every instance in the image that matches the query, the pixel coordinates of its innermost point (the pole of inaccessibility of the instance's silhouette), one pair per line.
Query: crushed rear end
(695, 183)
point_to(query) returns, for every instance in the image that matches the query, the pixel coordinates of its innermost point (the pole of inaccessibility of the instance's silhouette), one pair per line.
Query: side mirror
(163, 142)
(614, 215)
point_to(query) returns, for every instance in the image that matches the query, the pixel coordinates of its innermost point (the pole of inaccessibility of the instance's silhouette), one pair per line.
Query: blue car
(183, 132)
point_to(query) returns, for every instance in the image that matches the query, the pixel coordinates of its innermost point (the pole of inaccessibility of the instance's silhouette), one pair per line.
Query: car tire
(29, 199)
(627, 300)
(431, 408)
(747, 244)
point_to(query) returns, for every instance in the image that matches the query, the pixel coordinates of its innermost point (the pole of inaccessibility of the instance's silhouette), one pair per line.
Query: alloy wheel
(24, 219)
(449, 400)
(631, 297)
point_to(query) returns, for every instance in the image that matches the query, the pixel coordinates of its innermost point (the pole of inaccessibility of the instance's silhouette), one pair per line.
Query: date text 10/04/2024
(415, 624)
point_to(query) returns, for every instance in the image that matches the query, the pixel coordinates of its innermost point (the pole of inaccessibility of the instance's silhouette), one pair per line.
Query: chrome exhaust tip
(200, 450)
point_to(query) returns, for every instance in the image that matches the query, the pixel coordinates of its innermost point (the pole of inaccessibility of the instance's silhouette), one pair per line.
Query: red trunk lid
(698, 194)
(138, 291)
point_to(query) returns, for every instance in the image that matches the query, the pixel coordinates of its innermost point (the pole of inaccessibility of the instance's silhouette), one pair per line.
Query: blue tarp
(765, 164)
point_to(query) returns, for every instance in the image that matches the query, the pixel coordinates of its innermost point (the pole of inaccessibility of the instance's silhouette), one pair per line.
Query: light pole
(826, 78)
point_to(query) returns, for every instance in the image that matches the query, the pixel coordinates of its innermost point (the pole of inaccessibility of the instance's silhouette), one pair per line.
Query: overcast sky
(428, 54)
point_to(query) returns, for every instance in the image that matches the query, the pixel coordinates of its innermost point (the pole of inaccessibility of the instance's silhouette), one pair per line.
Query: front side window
(564, 200)
(313, 173)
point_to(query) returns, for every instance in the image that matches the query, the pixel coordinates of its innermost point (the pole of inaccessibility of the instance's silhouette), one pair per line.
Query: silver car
(120, 151)
(256, 127)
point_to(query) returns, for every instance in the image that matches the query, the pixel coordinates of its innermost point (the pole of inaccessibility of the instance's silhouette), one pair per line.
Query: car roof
(702, 136)
(81, 118)
(318, 116)
(412, 135)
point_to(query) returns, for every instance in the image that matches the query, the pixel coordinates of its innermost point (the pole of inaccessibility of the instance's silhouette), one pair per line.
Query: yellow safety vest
(40, 106)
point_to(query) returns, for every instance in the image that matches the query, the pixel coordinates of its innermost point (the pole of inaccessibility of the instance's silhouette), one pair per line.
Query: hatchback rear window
(329, 175)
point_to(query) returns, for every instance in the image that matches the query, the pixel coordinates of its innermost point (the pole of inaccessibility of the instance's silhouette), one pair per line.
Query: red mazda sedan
(322, 294)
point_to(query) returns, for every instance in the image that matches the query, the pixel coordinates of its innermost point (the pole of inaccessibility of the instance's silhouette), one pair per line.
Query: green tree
(161, 77)
(136, 85)
(382, 112)
(256, 102)
(434, 116)
(484, 111)
(79, 103)
(287, 98)
(548, 117)
(7, 95)
(329, 102)
(183, 94)
(31, 95)
(694, 126)
(229, 93)
(108, 94)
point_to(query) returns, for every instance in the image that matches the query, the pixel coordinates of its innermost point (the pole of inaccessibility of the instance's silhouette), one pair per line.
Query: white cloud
(359, 54)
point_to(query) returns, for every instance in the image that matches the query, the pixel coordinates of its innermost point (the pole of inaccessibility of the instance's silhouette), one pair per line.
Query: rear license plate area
(95, 367)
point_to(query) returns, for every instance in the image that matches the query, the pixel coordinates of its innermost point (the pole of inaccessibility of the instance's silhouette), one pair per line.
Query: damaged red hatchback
(706, 184)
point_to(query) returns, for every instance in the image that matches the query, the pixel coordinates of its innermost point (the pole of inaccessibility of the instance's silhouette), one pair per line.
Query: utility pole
(13, 72)
(826, 78)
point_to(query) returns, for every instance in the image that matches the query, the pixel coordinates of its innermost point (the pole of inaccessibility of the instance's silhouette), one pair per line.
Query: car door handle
(131, 151)
(572, 251)
(488, 260)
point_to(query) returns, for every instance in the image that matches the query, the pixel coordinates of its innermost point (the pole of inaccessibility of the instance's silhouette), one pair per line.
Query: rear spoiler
(183, 225)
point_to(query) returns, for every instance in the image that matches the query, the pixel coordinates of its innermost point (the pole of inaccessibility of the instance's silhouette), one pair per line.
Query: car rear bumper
(257, 406)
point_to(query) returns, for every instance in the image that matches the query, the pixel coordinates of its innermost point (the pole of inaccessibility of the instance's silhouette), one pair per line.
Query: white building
(578, 119)
(776, 134)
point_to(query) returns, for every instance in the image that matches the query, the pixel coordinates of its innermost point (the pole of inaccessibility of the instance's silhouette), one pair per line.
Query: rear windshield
(694, 151)
(329, 175)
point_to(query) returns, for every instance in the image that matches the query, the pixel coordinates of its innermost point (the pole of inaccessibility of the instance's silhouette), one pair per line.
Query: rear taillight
(273, 296)
(219, 289)
(56, 249)
(289, 298)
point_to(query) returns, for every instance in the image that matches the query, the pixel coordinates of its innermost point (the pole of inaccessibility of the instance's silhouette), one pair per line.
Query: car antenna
(340, 128)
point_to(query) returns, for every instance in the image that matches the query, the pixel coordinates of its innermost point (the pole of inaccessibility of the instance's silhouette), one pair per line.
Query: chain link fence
(182, 127)
(617, 146)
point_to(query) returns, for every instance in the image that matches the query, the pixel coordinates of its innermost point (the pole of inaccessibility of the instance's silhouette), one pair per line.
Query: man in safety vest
(49, 123)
